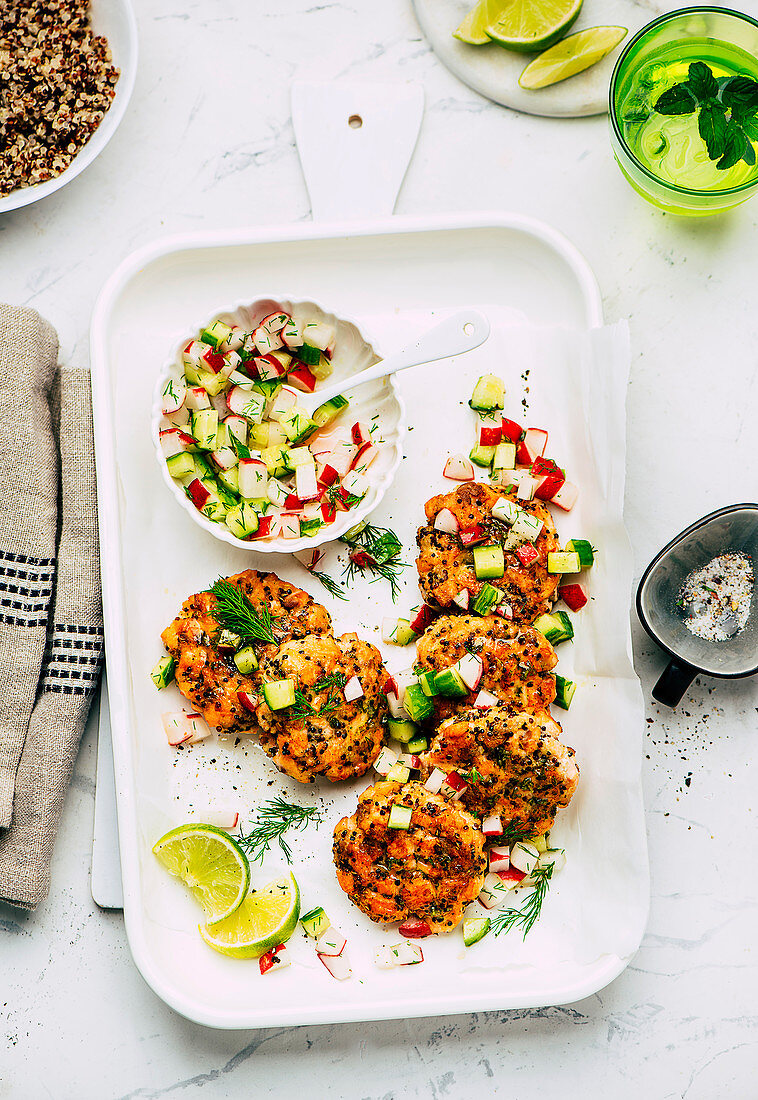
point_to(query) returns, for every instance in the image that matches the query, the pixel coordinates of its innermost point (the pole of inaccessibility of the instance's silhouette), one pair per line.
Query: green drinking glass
(665, 156)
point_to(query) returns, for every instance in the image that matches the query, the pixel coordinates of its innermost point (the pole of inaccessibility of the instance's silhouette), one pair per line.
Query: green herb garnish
(333, 684)
(272, 820)
(375, 550)
(726, 110)
(239, 448)
(525, 918)
(235, 612)
(329, 584)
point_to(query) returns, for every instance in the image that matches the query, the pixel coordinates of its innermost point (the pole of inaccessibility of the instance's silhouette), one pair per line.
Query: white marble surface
(208, 142)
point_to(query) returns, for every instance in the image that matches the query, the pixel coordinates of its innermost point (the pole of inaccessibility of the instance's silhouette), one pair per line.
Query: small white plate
(114, 19)
(377, 402)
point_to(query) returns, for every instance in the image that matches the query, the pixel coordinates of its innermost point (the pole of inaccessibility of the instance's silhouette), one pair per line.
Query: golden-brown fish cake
(446, 567)
(208, 678)
(431, 870)
(514, 765)
(516, 661)
(324, 736)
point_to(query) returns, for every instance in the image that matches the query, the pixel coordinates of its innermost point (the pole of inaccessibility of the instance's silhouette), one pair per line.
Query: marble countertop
(207, 142)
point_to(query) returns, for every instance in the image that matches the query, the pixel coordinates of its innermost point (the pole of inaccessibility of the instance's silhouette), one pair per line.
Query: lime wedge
(210, 863)
(528, 26)
(473, 29)
(265, 919)
(571, 56)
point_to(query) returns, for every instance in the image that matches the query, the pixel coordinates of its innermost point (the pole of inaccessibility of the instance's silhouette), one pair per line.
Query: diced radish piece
(172, 442)
(435, 781)
(490, 431)
(341, 458)
(276, 959)
(328, 511)
(366, 455)
(174, 395)
(494, 892)
(212, 362)
(360, 433)
(318, 334)
(293, 503)
(218, 402)
(199, 729)
(330, 943)
(355, 484)
(524, 856)
(399, 954)
(236, 426)
(248, 701)
(462, 599)
(409, 760)
(446, 521)
(234, 340)
(573, 595)
(504, 610)
(292, 334)
(500, 859)
(424, 617)
(197, 398)
(238, 399)
(397, 710)
(526, 487)
(549, 485)
(282, 403)
(337, 965)
(224, 458)
(277, 493)
(253, 478)
(179, 419)
(222, 818)
(268, 366)
(527, 554)
(275, 322)
(266, 342)
(459, 468)
(328, 475)
(389, 687)
(471, 535)
(566, 496)
(493, 826)
(289, 526)
(265, 523)
(312, 510)
(510, 431)
(511, 877)
(309, 559)
(415, 928)
(385, 761)
(353, 690)
(198, 493)
(192, 355)
(485, 700)
(453, 784)
(176, 727)
(532, 446)
(470, 669)
(389, 626)
(305, 483)
(302, 378)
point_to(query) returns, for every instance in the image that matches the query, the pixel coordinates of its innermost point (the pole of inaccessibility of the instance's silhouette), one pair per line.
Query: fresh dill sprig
(272, 820)
(235, 612)
(377, 550)
(334, 684)
(329, 584)
(525, 917)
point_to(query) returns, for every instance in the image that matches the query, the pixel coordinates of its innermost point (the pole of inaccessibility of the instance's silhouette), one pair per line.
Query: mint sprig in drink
(684, 111)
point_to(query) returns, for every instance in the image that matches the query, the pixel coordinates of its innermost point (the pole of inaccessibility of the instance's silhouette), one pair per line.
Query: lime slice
(210, 864)
(528, 26)
(266, 918)
(571, 56)
(473, 29)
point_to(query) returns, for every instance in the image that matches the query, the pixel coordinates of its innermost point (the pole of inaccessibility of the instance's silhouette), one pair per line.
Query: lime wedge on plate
(210, 863)
(528, 26)
(571, 56)
(265, 919)
(473, 29)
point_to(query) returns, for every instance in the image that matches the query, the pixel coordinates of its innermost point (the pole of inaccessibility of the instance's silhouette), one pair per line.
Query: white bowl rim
(25, 196)
(330, 532)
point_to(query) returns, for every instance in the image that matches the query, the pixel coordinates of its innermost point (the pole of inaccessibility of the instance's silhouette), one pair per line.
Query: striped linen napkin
(51, 631)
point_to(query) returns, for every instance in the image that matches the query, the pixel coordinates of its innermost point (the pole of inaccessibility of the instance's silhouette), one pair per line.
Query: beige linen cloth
(51, 631)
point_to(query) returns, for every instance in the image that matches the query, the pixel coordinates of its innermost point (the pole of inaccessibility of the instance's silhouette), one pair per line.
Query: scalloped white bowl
(380, 399)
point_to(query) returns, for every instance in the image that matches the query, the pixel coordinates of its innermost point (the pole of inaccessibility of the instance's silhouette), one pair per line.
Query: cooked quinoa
(56, 83)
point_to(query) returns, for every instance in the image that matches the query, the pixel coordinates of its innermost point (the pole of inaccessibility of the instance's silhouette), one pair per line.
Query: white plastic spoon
(460, 333)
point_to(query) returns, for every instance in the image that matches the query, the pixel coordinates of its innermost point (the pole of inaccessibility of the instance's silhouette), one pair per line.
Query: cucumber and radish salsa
(246, 453)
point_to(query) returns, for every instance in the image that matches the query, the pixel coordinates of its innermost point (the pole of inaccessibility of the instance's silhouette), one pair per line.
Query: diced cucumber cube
(489, 394)
(245, 660)
(275, 459)
(330, 410)
(402, 633)
(315, 923)
(426, 679)
(482, 456)
(527, 526)
(215, 334)
(564, 692)
(418, 705)
(507, 511)
(308, 354)
(401, 729)
(323, 369)
(204, 427)
(399, 773)
(417, 745)
(163, 673)
(242, 520)
(212, 383)
(450, 683)
(475, 929)
(486, 600)
(400, 817)
(310, 527)
(259, 435)
(504, 457)
(230, 479)
(584, 550)
(269, 387)
(279, 694)
(563, 561)
(180, 465)
(553, 856)
(489, 562)
(299, 456)
(556, 627)
(295, 424)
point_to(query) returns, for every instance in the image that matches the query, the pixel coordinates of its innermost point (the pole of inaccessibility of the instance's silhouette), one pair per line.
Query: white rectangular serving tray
(395, 277)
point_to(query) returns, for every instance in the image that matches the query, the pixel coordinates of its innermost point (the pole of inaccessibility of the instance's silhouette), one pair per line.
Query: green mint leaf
(734, 148)
(740, 93)
(748, 154)
(750, 127)
(701, 82)
(713, 128)
(678, 100)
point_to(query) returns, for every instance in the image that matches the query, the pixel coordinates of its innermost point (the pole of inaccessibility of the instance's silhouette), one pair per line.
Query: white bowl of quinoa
(67, 70)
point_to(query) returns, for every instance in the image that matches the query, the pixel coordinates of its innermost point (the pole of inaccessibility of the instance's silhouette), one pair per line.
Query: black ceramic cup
(733, 528)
